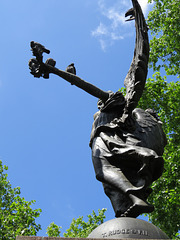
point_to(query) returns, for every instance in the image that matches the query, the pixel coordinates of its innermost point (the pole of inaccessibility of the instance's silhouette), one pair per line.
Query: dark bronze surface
(127, 142)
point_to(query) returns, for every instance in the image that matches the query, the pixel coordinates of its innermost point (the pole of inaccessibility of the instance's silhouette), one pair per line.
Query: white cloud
(100, 30)
(113, 26)
(116, 37)
(115, 17)
(103, 44)
(144, 5)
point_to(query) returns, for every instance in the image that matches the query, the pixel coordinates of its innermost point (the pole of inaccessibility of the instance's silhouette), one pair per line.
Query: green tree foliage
(53, 230)
(16, 215)
(78, 227)
(165, 99)
(164, 24)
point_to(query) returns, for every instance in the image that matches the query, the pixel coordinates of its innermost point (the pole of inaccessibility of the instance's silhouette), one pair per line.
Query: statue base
(127, 228)
(118, 228)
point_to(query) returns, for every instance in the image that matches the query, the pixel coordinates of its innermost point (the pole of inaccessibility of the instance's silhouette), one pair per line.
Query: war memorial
(127, 142)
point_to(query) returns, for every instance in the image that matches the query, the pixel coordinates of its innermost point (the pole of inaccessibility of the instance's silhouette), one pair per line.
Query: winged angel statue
(127, 142)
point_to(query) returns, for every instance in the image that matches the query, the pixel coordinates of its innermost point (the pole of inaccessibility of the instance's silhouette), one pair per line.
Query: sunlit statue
(127, 142)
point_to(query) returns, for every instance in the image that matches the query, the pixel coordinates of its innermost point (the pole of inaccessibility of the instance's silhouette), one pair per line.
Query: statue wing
(136, 77)
(144, 119)
(150, 130)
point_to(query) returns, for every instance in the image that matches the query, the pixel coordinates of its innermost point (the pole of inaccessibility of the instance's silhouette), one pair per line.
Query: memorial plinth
(59, 238)
(118, 228)
(127, 228)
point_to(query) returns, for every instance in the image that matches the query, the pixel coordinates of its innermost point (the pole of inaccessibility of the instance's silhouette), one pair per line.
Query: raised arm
(40, 69)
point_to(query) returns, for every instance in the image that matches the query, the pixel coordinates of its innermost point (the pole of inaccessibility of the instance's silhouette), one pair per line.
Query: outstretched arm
(75, 80)
(40, 69)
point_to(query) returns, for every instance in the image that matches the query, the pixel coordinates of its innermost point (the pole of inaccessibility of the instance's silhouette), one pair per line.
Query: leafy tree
(78, 227)
(53, 230)
(164, 23)
(16, 215)
(164, 98)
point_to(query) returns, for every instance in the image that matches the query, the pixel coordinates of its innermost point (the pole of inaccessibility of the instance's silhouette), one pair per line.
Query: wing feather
(136, 77)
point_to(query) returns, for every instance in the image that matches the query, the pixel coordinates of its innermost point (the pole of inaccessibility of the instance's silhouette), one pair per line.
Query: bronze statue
(127, 142)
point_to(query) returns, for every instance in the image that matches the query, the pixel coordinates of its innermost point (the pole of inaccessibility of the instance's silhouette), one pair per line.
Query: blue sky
(45, 125)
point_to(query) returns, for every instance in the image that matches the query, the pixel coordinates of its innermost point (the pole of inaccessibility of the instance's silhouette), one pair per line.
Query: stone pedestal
(58, 238)
(118, 228)
(127, 228)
